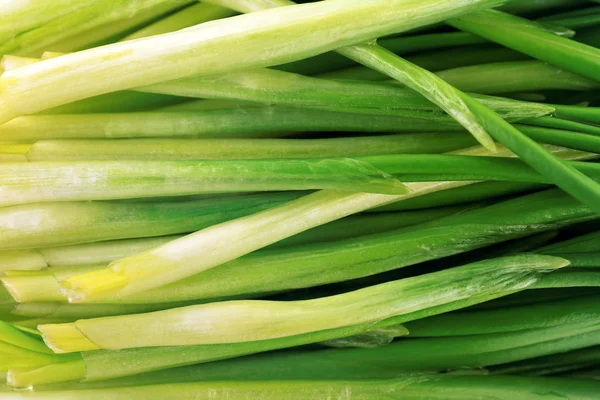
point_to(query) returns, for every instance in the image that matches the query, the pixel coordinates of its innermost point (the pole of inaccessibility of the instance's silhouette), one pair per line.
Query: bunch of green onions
(263, 199)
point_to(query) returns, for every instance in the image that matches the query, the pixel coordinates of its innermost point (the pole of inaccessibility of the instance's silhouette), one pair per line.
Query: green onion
(242, 149)
(535, 316)
(102, 180)
(521, 35)
(515, 76)
(219, 123)
(221, 322)
(24, 226)
(409, 388)
(564, 124)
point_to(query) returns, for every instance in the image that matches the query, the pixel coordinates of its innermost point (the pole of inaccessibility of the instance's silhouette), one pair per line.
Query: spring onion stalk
(484, 191)
(532, 366)
(579, 244)
(109, 180)
(243, 149)
(265, 38)
(104, 180)
(79, 19)
(564, 124)
(125, 101)
(366, 224)
(287, 89)
(409, 388)
(24, 227)
(401, 45)
(583, 260)
(219, 123)
(584, 114)
(219, 320)
(515, 76)
(535, 316)
(559, 137)
(321, 263)
(192, 15)
(521, 35)
(436, 61)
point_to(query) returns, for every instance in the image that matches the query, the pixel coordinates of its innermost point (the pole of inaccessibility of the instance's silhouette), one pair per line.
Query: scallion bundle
(269, 199)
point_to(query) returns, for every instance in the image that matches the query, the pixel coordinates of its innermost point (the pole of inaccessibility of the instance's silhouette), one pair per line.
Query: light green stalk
(534, 316)
(288, 89)
(28, 226)
(255, 122)
(241, 42)
(434, 387)
(515, 76)
(51, 181)
(244, 321)
(244, 149)
(521, 35)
